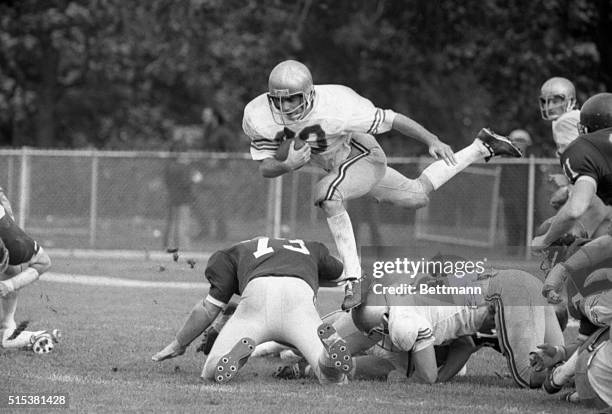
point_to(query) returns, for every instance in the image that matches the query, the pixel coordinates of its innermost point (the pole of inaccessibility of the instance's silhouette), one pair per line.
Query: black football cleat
(498, 145)
(352, 295)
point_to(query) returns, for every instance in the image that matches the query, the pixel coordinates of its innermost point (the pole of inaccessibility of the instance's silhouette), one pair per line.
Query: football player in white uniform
(22, 261)
(558, 104)
(338, 125)
(522, 321)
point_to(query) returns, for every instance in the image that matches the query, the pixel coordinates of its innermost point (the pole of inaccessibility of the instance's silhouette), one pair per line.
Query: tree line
(116, 74)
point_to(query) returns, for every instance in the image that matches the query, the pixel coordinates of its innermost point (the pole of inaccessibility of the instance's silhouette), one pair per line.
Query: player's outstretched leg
(230, 363)
(336, 363)
(487, 144)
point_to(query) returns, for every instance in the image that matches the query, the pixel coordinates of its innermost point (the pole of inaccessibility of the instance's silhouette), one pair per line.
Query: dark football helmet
(596, 113)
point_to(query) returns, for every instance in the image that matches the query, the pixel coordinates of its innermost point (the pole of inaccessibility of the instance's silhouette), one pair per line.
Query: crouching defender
(277, 280)
(22, 261)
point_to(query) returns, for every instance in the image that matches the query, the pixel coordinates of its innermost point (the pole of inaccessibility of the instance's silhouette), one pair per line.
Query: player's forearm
(271, 168)
(4, 201)
(425, 369)
(22, 279)
(413, 129)
(561, 224)
(458, 355)
(201, 316)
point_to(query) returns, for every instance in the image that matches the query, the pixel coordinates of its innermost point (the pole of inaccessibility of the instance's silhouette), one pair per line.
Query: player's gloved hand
(208, 340)
(438, 150)
(554, 283)
(173, 350)
(546, 357)
(297, 158)
(4, 289)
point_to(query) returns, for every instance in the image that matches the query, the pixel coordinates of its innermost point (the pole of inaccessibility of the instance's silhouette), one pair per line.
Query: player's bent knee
(208, 372)
(413, 202)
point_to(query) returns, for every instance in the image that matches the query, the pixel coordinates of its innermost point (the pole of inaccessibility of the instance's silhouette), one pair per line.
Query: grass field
(104, 359)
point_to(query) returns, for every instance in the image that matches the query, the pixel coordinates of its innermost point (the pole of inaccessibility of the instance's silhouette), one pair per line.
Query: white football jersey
(337, 112)
(432, 325)
(565, 129)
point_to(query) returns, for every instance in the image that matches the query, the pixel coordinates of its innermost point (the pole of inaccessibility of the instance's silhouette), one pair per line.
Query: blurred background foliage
(119, 74)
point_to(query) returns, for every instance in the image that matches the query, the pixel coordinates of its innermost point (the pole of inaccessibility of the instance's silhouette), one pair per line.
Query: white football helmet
(290, 92)
(557, 96)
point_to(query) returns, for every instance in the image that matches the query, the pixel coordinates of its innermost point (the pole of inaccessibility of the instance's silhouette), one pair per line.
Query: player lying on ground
(410, 338)
(277, 280)
(522, 321)
(22, 261)
(339, 127)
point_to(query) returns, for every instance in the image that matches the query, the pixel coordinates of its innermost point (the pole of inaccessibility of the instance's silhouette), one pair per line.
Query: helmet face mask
(557, 97)
(290, 92)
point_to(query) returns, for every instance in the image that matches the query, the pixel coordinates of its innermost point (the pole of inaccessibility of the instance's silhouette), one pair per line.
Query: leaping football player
(277, 280)
(22, 261)
(338, 125)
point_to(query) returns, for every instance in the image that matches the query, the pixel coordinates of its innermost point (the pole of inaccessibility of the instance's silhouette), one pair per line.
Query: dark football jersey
(20, 246)
(229, 270)
(591, 155)
(576, 290)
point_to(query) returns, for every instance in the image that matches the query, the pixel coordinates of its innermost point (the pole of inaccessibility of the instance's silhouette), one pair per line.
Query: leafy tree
(119, 74)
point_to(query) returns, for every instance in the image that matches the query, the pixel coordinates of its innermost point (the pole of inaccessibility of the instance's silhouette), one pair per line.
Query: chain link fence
(201, 201)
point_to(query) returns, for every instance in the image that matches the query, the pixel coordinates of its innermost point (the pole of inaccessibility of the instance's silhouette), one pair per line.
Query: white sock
(342, 232)
(563, 373)
(22, 340)
(8, 306)
(439, 173)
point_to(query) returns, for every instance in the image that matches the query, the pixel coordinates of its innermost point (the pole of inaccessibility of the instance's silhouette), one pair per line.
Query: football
(283, 151)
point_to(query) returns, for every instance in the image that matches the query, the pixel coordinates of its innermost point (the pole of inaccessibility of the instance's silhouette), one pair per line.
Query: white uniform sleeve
(565, 130)
(365, 117)
(408, 330)
(261, 147)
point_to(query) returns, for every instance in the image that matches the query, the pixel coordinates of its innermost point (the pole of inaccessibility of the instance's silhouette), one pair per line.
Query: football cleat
(338, 354)
(352, 295)
(230, 363)
(497, 145)
(43, 343)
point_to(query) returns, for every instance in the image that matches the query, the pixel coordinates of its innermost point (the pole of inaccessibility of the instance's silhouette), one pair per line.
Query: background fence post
(24, 184)
(93, 201)
(530, 206)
